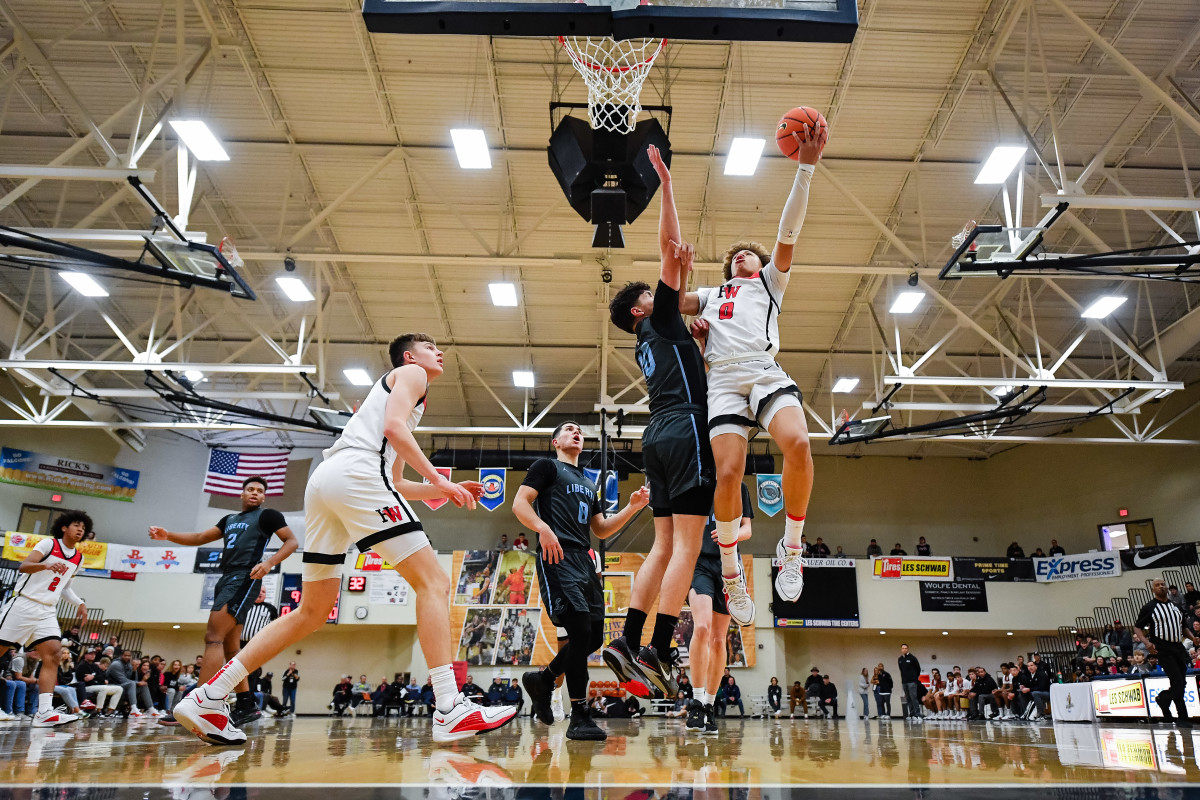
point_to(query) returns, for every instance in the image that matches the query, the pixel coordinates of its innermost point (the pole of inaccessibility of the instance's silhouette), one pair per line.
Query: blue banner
(770, 494)
(492, 479)
(611, 493)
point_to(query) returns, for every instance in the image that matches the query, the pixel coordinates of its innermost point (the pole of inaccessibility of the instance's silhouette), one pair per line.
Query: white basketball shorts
(27, 623)
(747, 394)
(350, 499)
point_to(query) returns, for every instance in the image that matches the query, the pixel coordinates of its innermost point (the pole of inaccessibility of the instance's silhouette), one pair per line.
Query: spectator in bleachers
(503, 546)
(427, 697)
(1086, 654)
(187, 679)
(864, 688)
(828, 704)
(898, 550)
(170, 684)
(1190, 595)
(873, 549)
(1015, 551)
(923, 548)
(883, 692)
(730, 694)
(633, 708)
(472, 690)
(495, 694)
(1138, 665)
(513, 696)
(1056, 549)
(774, 699)
(839, 553)
(685, 686)
(378, 697)
(64, 684)
(73, 641)
(812, 686)
(935, 693)
(1006, 690)
(1121, 639)
(797, 697)
(1175, 597)
(358, 693)
(90, 676)
(1037, 553)
(521, 543)
(1035, 685)
(342, 693)
(819, 549)
(680, 707)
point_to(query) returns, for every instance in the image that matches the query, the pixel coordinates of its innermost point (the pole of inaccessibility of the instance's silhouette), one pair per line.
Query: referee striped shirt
(258, 617)
(1162, 621)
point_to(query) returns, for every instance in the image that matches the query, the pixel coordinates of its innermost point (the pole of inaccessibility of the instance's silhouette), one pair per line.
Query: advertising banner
(138, 559)
(27, 468)
(954, 596)
(1160, 683)
(993, 569)
(18, 545)
(1119, 698)
(911, 568)
(611, 490)
(1077, 567)
(830, 599)
(208, 559)
(1170, 555)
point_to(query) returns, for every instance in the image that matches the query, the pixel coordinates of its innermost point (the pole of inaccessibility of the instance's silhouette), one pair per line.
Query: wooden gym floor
(307, 758)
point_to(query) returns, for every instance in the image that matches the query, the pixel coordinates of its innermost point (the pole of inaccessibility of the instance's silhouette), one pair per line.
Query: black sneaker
(1165, 706)
(539, 695)
(169, 719)
(710, 721)
(695, 716)
(658, 672)
(583, 727)
(621, 661)
(241, 716)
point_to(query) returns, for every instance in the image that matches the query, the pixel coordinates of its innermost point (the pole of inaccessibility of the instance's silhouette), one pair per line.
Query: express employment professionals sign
(1076, 567)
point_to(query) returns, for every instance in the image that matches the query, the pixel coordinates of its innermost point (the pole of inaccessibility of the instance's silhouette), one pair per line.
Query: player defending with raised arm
(558, 503)
(677, 457)
(747, 388)
(245, 537)
(29, 619)
(357, 494)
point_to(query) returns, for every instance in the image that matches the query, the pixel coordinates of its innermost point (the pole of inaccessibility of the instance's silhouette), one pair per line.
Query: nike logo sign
(1140, 562)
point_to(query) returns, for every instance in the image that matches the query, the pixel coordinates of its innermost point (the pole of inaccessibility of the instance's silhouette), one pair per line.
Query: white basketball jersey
(743, 316)
(364, 431)
(47, 586)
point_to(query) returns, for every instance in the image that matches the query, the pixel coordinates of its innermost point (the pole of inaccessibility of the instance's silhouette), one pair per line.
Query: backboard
(199, 260)
(745, 20)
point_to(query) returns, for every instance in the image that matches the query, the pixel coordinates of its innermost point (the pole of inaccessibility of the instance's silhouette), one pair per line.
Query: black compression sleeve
(666, 317)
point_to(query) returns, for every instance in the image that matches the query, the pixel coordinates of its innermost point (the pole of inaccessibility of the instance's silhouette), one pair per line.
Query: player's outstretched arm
(810, 147)
(187, 539)
(605, 527)
(409, 386)
(669, 234)
(290, 543)
(34, 562)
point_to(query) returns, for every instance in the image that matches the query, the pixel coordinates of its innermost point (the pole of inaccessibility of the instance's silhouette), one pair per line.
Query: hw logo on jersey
(492, 479)
(392, 514)
(438, 502)
(729, 291)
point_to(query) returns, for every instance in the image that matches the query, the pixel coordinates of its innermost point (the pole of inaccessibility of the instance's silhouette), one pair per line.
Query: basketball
(794, 122)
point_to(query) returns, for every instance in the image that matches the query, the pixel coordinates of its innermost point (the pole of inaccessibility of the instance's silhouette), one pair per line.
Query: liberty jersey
(364, 431)
(246, 536)
(566, 501)
(668, 358)
(743, 316)
(46, 586)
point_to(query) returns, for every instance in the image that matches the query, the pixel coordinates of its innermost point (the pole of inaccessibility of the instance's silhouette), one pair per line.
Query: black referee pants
(1174, 661)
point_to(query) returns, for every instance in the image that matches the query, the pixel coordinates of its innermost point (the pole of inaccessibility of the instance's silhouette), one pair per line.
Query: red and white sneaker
(135, 714)
(467, 719)
(208, 718)
(88, 705)
(51, 719)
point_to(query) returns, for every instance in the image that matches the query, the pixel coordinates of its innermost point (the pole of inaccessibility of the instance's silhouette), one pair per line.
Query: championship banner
(954, 596)
(1171, 555)
(42, 471)
(993, 569)
(611, 491)
(18, 545)
(438, 502)
(1077, 567)
(911, 568)
(493, 479)
(138, 559)
(770, 494)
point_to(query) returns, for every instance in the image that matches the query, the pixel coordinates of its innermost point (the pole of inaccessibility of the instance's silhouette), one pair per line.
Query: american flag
(228, 468)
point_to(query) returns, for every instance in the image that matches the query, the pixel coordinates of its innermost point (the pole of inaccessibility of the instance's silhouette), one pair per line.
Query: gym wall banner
(18, 545)
(1171, 555)
(911, 568)
(1161, 683)
(993, 569)
(26, 468)
(829, 600)
(1119, 698)
(954, 596)
(1077, 567)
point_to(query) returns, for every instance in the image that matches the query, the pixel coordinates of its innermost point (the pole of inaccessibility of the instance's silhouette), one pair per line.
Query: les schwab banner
(911, 568)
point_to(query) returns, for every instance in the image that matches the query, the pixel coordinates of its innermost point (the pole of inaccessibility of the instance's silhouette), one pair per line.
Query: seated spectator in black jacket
(1190, 596)
(427, 696)
(495, 694)
(1120, 639)
(828, 695)
(1086, 654)
(685, 686)
(632, 707)
(812, 686)
(819, 549)
(898, 550)
(873, 549)
(1056, 549)
(981, 695)
(775, 698)
(379, 698)
(1015, 551)
(1038, 553)
(343, 693)
(472, 690)
(513, 696)
(730, 695)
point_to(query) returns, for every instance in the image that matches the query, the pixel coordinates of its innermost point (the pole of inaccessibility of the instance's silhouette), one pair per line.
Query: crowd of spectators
(519, 543)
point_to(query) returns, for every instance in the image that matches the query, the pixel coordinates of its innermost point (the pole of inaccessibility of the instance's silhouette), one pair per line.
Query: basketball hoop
(230, 253)
(614, 72)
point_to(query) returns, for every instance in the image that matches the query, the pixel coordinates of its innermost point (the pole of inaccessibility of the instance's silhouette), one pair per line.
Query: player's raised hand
(454, 493)
(640, 498)
(82, 614)
(699, 330)
(811, 144)
(57, 567)
(157, 533)
(474, 487)
(660, 167)
(685, 252)
(551, 548)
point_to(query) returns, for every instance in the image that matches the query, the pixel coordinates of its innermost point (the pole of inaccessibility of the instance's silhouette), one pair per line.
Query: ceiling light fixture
(523, 378)
(1000, 164)
(194, 375)
(743, 156)
(358, 376)
(906, 302)
(844, 385)
(1103, 307)
(84, 284)
(199, 140)
(295, 289)
(503, 294)
(470, 145)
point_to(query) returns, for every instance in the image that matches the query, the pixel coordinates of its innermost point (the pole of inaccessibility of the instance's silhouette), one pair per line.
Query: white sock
(793, 531)
(445, 687)
(45, 703)
(226, 679)
(703, 697)
(727, 534)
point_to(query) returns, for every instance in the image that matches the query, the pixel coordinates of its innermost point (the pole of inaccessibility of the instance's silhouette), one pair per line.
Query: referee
(260, 615)
(1160, 627)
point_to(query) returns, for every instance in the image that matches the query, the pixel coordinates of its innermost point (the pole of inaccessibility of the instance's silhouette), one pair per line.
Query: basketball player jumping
(244, 537)
(747, 388)
(568, 510)
(29, 619)
(357, 494)
(677, 459)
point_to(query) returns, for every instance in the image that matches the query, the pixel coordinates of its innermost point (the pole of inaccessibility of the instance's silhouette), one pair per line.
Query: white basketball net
(614, 72)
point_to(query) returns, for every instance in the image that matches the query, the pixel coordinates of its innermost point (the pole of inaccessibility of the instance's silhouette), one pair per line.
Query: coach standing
(1160, 627)
(910, 679)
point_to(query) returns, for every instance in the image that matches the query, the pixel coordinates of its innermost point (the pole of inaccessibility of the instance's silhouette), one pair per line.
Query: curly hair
(763, 254)
(620, 308)
(68, 518)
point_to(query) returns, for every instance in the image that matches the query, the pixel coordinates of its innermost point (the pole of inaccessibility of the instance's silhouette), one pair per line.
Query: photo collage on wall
(495, 609)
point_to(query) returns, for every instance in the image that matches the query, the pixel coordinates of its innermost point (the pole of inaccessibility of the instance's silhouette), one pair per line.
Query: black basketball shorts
(571, 585)
(678, 462)
(236, 593)
(706, 580)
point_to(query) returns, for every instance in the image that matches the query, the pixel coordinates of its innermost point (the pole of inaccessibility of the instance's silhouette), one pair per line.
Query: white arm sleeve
(797, 203)
(72, 598)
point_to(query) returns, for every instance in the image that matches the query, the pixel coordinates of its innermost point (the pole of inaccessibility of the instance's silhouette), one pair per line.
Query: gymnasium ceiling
(340, 155)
